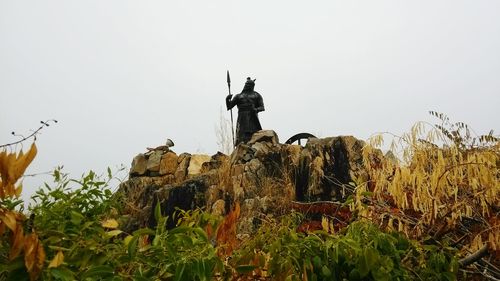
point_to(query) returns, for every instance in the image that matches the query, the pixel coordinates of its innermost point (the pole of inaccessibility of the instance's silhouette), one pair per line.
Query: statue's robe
(249, 103)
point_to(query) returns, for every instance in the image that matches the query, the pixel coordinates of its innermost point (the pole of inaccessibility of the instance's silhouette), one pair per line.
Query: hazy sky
(121, 76)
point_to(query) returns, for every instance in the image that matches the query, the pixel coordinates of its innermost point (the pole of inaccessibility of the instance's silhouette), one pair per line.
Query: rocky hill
(265, 177)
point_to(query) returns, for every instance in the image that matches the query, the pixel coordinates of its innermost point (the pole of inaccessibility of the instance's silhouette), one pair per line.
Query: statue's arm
(230, 102)
(259, 103)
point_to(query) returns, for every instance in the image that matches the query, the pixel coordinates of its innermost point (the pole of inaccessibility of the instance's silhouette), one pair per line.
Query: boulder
(334, 163)
(154, 161)
(216, 162)
(219, 207)
(182, 167)
(196, 163)
(242, 154)
(168, 163)
(140, 195)
(139, 165)
(264, 136)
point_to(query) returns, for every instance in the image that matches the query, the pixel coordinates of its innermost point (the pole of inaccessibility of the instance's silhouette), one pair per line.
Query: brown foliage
(226, 232)
(447, 190)
(12, 167)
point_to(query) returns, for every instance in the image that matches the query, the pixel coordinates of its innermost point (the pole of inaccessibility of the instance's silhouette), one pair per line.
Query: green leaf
(62, 273)
(179, 271)
(110, 175)
(367, 193)
(180, 229)
(354, 274)
(201, 233)
(317, 262)
(362, 266)
(144, 231)
(113, 233)
(132, 246)
(326, 271)
(98, 271)
(57, 248)
(76, 218)
(158, 215)
(243, 269)
(371, 256)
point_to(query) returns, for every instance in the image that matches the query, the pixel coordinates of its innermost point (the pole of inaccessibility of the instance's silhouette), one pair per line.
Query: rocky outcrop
(263, 175)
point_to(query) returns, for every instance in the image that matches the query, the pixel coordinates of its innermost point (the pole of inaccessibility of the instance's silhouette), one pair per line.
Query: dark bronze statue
(249, 104)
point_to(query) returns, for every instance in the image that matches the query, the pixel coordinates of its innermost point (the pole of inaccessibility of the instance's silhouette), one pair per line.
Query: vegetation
(413, 219)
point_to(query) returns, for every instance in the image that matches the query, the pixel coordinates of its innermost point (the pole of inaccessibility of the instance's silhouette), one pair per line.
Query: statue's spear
(231, 110)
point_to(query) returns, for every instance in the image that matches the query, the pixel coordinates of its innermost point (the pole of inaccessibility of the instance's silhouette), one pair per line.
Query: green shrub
(361, 252)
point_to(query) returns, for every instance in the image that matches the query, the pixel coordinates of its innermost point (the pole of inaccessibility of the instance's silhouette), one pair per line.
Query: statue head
(249, 84)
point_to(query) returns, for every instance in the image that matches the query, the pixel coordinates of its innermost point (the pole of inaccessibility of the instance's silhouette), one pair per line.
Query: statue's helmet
(249, 84)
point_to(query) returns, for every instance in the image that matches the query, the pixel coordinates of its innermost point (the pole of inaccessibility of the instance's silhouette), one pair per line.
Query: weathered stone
(237, 169)
(219, 208)
(182, 156)
(237, 188)
(216, 162)
(188, 195)
(242, 154)
(136, 198)
(181, 172)
(264, 136)
(139, 164)
(262, 149)
(196, 162)
(214, 193)
(154, 161)
(168, 164)
(341, 161)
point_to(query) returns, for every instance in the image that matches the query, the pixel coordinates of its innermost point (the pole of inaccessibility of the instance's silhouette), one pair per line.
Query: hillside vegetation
(428, 210)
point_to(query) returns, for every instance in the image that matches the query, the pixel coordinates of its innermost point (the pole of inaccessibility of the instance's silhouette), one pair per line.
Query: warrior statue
(249, 103)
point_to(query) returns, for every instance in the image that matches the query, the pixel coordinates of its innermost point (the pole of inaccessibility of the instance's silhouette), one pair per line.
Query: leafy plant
(73, 219)
(183, 253)
(444, 189)
(360, 252)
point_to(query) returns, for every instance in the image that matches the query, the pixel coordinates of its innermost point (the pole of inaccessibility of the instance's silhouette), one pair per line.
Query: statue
(249, 104)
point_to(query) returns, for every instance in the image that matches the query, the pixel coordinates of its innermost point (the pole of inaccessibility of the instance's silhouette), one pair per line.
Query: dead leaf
(9, 219)
(110, 223)
(17, 242)
(12, 167)
(57, 260)
(34, 255)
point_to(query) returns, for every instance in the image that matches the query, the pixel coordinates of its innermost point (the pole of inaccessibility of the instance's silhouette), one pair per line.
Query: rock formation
(263, 175)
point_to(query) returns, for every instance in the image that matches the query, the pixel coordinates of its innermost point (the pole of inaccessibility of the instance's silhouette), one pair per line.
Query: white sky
(121, 76)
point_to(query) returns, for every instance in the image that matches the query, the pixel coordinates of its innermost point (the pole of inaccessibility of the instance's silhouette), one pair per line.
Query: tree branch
(32, 135)
(474, 257)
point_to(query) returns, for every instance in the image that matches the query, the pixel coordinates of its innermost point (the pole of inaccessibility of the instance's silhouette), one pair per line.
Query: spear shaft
(231, 110)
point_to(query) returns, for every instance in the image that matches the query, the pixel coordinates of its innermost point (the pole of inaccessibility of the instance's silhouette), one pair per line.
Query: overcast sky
(121, 76)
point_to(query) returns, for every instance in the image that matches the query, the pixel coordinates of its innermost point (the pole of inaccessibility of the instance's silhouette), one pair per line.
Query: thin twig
(32, 135)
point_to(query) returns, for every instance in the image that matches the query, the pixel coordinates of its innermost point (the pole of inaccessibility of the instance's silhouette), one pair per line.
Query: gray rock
(219, 208)
(196, 163)
(182, 168)
(168, 164)
(139, 164)
(154, 161)
(264, 136)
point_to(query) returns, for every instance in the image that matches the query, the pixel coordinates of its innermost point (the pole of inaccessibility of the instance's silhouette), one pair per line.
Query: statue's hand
(229, 97)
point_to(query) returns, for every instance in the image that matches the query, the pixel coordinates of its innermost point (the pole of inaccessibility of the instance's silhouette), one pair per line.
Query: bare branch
(474, 257)
(32, 135)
